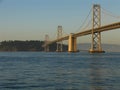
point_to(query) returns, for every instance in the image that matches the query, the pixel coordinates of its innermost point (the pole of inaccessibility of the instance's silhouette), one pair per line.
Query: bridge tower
(46, 48)
(60, 43)
(96, 36)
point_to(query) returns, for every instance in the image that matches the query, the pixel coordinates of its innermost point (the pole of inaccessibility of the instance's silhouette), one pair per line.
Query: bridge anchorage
(72, 47)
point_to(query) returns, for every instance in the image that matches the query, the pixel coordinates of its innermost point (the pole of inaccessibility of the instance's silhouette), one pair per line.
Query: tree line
(31, 45)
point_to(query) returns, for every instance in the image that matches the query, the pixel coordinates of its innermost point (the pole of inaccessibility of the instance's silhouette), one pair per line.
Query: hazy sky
(32, 19)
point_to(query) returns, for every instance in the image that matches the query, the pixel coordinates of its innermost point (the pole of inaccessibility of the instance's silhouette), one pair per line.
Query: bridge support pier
(46, 48)
(72, 43)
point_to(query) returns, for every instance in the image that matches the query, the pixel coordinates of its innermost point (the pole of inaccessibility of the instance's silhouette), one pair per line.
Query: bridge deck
(87, 32)
(100, 29)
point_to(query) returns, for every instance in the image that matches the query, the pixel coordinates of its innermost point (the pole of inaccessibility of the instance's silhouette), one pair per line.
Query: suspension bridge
(95, 33)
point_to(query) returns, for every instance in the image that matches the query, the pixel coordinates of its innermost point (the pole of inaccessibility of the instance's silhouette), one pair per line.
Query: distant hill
(32, 45)
(105, 47)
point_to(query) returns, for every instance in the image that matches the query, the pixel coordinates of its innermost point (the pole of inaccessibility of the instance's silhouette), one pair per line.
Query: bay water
(59, 71)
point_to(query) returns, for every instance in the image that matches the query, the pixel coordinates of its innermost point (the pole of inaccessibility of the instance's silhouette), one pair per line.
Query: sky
(33, 19)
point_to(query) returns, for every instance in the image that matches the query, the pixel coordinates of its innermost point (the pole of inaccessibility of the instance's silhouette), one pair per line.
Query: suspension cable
(85, 21)
(87, 25)
(109, 13)
(64, 33)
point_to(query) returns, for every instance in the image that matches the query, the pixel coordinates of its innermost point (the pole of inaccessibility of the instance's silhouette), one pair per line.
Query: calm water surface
(59, 71)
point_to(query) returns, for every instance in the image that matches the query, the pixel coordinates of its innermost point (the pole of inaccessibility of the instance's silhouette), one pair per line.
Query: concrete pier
(72, 45)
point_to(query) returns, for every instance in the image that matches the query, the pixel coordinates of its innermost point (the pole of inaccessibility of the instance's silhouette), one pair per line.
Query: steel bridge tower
(96, 36)
(60, 43)
(46, 48)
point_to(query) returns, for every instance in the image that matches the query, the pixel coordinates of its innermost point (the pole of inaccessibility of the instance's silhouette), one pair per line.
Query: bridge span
(95, 32)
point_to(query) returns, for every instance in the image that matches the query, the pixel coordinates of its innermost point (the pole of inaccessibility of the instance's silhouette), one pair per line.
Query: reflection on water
(97, 82)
